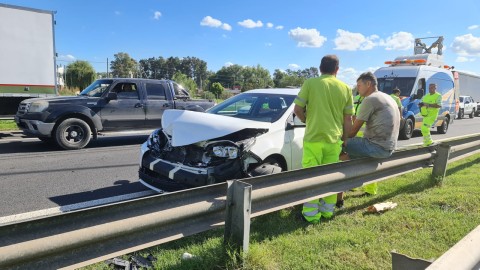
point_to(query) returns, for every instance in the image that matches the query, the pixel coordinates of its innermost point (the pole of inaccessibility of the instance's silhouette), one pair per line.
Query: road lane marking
(71, 207)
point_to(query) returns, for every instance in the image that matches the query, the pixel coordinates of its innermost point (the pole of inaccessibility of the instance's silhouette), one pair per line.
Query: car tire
(442, 129)
(460, 114)
(407, 130)
(73, 134)
(472, 114)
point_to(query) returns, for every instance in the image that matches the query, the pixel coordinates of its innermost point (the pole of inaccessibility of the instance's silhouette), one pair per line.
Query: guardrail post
(237, 219)
(440, 163)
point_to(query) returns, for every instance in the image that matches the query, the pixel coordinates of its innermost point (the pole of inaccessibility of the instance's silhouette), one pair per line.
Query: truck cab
(412, 75)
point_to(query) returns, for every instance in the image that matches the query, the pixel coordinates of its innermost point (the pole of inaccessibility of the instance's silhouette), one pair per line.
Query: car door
(156, 103)
(295, 130)
(125, 112)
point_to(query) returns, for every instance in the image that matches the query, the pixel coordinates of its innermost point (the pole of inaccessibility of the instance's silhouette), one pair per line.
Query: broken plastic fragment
(380, 207)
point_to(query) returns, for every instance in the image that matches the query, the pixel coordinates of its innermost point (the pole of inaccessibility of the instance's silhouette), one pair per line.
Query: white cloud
(248, 23)
(399, 41)
(467, 45)
(350, 75)
(462, 59)
(472, 27)
(293, 66)
(227, 64)
(279, 27)
(157, 15)
(211, 22)
(349, 41)
(226, 26)
(307, 37)
(67, 57)
(269, 25)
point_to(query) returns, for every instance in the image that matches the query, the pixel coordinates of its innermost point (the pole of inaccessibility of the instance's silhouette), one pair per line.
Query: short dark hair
(329, 64)
(396, 90)
(368, 77)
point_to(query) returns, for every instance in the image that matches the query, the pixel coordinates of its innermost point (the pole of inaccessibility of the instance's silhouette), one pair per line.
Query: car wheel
(269, 166)
(407, 130)
(472, 114)
(460, 114)
(72, 134)
(442, 129)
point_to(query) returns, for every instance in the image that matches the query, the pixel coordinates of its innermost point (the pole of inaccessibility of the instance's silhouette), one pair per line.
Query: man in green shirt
(429, 108)
(396, 96)
(325, 104)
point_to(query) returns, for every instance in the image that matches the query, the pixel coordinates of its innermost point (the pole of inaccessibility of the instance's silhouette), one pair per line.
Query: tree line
(191, 72)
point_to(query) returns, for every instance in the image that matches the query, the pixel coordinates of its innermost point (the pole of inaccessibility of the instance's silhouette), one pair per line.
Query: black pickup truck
(107, 105)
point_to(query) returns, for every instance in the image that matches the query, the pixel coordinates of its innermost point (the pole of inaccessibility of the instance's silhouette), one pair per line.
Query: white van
(412, 75)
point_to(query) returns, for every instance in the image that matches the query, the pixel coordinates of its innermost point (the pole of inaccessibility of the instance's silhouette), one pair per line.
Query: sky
(276, 34)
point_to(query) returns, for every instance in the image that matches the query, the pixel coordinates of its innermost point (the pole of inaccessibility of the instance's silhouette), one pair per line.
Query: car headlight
(38, 106)
(229, 152)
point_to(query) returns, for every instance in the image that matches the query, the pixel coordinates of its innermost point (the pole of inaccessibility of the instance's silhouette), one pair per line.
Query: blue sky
(274, 34)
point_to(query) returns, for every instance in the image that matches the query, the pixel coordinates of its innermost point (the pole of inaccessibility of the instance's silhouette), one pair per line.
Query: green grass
(428, 221)
(8, 125)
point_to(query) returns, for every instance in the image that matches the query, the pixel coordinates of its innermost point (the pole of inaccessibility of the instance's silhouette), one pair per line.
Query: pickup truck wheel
(269, 166)
(407, 130)
(442, 129)
(472, 114)
(72, 134)
(460, 114)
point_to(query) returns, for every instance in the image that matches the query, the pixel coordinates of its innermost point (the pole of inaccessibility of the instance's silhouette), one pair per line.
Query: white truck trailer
(468, 85)
(27, 56)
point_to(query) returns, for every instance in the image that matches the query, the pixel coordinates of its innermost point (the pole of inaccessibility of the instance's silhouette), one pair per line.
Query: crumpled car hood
(188, 127)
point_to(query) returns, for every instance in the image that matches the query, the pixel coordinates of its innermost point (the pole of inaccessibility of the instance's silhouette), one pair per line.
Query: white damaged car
(253, 133)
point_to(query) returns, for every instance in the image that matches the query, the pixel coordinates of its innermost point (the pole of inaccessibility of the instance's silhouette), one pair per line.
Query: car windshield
(405, 85)
(97, 88)
(461, 99)
(254, 106)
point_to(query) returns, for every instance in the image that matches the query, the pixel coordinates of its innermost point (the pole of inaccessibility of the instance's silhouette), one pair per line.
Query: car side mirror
(112, 96)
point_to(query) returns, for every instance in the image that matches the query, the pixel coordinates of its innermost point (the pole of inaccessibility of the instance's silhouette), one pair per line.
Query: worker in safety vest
(429, 108)
(325, 104)
(396, 96)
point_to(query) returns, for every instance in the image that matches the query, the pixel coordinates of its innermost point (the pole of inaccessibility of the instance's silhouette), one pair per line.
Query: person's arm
(347, 127)
(300, 113)
(356, 127)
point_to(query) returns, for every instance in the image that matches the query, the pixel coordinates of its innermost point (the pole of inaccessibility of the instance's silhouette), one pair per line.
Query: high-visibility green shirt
(436, 98)
(326, 100)
(397, 100)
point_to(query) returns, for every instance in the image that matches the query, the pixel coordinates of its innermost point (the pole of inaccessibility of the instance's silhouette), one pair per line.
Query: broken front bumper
(169, 176)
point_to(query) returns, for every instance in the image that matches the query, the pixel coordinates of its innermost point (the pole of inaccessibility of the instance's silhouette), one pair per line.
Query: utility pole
(107, 69)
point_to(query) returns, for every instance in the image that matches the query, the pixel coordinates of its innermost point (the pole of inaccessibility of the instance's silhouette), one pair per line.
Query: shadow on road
(121, 187)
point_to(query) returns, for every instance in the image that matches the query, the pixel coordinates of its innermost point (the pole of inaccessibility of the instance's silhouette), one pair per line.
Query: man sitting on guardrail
(381, 116)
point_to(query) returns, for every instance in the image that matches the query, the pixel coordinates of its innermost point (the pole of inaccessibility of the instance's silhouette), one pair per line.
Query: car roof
(282, 91)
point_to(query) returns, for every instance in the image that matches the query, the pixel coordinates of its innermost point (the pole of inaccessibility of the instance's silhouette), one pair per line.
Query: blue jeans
(360, 147)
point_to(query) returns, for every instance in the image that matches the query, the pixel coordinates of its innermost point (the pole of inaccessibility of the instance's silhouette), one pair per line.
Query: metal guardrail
(79, 238)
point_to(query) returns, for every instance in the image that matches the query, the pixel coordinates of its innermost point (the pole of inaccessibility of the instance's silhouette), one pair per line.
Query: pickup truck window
(97, 88)
(179, 91)
(126, 91)
(155, 91)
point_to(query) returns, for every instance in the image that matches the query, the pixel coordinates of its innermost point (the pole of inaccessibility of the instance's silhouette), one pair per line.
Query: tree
(217, 89)
(80, 74)
(188, 83)
(123, 66)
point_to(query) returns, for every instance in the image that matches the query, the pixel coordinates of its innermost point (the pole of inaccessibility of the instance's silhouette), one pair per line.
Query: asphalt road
(37, 180)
